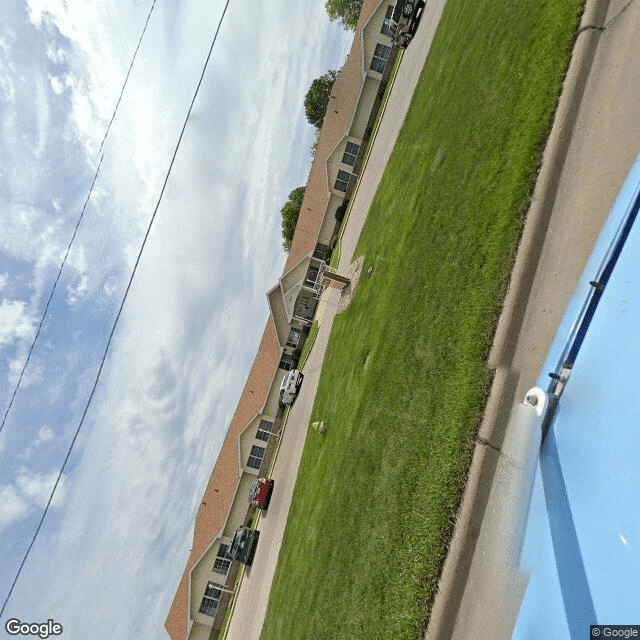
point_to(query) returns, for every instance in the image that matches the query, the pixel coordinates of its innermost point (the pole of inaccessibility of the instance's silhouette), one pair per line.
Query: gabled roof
(278, 302)
(337, 122)
(220, 491)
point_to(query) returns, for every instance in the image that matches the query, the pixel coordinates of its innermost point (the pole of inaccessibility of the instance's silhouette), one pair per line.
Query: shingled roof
(220, 491)
(222, 485)
(337, 122)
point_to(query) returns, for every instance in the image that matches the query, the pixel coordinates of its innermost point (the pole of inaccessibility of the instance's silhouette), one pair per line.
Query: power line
(53, 290)
(117, 318)
(75, 231)
(135, 53)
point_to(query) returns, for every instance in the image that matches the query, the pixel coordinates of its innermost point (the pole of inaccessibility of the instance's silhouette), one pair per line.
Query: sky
(112, 548)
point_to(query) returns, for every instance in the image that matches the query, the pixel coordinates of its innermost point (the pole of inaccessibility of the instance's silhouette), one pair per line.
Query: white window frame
(349, 153)
(342, 180)
(265, 428)
(385, 30)
(211, 599)
(286, 362)
(380, 57)
(293, 339)
(255, 456)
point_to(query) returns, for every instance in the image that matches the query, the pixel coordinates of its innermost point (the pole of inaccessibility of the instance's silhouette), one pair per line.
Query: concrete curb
(545, 190)
(486, 454)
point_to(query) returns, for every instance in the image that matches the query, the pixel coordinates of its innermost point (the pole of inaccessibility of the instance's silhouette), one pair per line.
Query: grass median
(308, 344)
(404, 381)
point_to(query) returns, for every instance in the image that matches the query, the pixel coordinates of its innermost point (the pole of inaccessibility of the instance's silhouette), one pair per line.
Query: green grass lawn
(335, 256)
(404, 382)
(308, 344)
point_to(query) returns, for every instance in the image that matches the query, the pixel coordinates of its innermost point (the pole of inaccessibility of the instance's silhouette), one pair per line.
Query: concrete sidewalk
(594, 140)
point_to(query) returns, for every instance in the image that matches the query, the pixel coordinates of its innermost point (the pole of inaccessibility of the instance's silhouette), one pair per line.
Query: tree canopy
(317, 98)
(346, 11)
(290, 212)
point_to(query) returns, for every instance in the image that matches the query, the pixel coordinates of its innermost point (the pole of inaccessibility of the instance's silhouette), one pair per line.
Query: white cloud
(27, 233)
(7, 84)
(16, 323)
(99, 42)
(13, 507)
(197, 307)
(5, 43)
(43, 117)
(58, 85)
(56, 54)
(8, 88)
(29, 489)
(36, 488)
(45, 434)
(80, 290)
(31, 375)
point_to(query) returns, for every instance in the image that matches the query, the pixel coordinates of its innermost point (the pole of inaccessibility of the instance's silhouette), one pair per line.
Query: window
(385, 27)
(294, 337)
(264, 430)
(223, 560)
(350, 153)
(320, 251)
(286, 362)
(312, 276)
(211, 599)
(380, 57)
(255, 457)
(342, 180)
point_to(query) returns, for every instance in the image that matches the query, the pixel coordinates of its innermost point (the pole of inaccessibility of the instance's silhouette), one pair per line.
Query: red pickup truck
(260, 492)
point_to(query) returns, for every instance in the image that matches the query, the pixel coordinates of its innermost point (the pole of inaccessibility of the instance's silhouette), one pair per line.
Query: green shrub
(341, 210)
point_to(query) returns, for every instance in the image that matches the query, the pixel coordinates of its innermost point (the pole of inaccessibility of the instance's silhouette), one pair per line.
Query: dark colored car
(243, 545)
(404, 21)
(260, 492)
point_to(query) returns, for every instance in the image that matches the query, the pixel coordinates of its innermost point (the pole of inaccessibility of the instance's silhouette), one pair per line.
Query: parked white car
(290, 386)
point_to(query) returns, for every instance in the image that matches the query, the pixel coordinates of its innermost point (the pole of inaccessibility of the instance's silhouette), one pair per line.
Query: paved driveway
(253, 596)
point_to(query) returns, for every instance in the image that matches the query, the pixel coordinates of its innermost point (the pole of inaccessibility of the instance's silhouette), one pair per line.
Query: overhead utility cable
(126, 79)
(117, 318)
(75, 231)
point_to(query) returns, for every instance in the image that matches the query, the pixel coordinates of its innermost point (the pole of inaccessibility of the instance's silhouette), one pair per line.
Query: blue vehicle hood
(581, 547)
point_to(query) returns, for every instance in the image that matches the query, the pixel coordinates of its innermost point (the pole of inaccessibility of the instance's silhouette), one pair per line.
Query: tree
(317, 98)
(314, 146)
(347, 11)
(290, 212)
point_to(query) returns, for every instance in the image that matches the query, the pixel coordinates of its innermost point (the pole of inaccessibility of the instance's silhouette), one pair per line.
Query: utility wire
(75, 231)
(53, 290)
(135, 53)
(117, 318)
